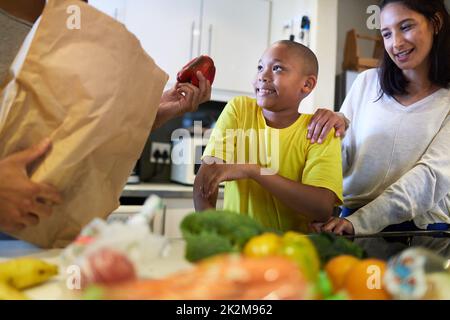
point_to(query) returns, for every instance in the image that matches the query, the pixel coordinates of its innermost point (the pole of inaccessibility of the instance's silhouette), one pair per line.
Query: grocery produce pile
(330, 266)
(233, 257)
(213, 233)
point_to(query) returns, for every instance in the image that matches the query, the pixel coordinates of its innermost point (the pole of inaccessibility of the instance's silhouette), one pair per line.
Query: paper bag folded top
(95, 93)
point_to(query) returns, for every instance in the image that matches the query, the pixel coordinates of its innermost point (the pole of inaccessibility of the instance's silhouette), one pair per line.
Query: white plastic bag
(108, 253)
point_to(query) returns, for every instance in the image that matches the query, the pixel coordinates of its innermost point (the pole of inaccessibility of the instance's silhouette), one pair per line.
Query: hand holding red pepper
(182, 98)
(189, 73)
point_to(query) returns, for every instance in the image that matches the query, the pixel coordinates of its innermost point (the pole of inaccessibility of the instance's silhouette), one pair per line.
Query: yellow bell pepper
(302, 251)
(263, 245)
(295, 246)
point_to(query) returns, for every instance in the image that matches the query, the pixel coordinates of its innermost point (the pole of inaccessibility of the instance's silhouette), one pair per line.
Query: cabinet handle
(210, 33)
(192, 41)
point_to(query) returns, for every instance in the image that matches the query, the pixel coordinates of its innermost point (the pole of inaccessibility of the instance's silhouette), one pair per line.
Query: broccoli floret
(329, 245)
(205, 244)
(348, 247)
(211, 232)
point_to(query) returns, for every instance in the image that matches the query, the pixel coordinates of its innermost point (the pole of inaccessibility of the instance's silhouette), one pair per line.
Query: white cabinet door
(235, 33)
(168, 30)
(113, 8)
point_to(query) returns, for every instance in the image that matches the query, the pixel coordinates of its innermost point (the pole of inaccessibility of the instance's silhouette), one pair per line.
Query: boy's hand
(217, 172)
(335, 225)
(323, 121)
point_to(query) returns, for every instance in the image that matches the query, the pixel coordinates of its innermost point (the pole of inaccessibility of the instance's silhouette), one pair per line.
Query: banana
(10, 293)
(23, 273)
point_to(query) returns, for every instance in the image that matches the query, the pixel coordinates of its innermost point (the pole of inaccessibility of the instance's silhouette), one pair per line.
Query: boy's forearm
(315, 203)
(202, 203)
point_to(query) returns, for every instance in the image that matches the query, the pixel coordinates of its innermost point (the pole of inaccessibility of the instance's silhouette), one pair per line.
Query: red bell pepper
(204, 64)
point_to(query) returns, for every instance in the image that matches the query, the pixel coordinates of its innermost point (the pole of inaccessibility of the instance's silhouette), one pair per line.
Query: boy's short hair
(309, 59)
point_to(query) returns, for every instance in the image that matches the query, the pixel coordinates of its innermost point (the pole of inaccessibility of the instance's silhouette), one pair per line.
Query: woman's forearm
(417, 192)
(315, 203)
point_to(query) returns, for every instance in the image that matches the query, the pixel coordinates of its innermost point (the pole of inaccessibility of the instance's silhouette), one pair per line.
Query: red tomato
(107, 266)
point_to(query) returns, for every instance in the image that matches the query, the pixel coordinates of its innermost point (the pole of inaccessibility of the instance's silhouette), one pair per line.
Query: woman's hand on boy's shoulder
(335, 225)
(323, 121)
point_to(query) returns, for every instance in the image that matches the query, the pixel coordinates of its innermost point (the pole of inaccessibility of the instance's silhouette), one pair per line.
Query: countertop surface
(56, 289)
(163, 190)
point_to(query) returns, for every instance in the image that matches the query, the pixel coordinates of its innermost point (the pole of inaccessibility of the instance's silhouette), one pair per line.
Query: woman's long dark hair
(392, 80)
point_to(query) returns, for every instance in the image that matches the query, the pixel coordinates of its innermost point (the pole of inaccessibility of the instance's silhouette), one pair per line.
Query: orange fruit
(364, 280)
(337, 269)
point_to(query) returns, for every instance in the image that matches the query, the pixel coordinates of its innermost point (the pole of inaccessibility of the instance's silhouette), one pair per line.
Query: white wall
(284, 11)
(323, 15)
(447, 2)
(352, 15)
(325, 48)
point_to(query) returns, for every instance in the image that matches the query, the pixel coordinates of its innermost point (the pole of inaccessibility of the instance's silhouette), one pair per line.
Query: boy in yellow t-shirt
(260, 148)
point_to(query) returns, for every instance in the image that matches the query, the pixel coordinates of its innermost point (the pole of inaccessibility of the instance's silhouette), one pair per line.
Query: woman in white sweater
(396, 151)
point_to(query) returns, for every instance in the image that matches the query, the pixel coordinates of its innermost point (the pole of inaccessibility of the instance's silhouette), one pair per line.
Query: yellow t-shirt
(241, 135)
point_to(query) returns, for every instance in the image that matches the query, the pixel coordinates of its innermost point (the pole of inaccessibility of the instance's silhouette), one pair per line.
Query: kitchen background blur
(235, 33)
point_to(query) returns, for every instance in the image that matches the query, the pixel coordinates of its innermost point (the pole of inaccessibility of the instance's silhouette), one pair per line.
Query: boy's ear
(309, 84)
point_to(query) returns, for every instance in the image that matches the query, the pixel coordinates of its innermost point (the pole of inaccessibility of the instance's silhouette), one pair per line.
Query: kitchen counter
(171, 261)
(163, 190)
(387, 244)
(381, 246)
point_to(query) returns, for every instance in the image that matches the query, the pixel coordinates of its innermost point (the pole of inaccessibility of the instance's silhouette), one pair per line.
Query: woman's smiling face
(408, 36)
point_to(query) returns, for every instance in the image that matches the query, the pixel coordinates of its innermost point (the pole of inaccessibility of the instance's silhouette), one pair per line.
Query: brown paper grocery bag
(95, 93)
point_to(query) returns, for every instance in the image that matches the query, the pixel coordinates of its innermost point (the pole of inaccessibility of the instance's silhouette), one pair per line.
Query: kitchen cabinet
(169, 30)
(233, 32)
(168, 224)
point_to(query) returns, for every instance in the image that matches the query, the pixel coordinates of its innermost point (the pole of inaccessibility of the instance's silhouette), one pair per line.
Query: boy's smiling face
(280, 83)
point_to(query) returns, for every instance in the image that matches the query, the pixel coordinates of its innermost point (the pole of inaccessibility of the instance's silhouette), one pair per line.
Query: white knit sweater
(396, 158)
